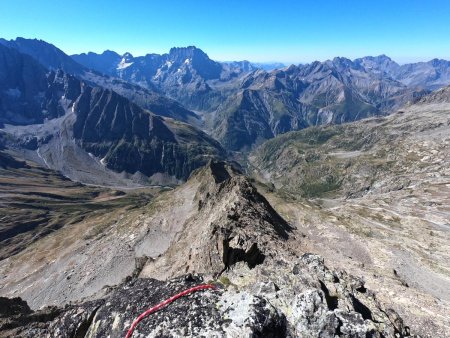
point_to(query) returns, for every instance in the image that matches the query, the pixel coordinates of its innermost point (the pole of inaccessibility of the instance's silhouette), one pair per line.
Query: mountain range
(73, 127)
(236, 103)
(125, 180)
(243, 106)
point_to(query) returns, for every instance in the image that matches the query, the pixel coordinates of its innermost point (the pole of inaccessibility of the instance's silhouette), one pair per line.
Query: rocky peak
(343, 62)
(437, 63)
(68, 84)
(180, 54)
(378, 64)
(197, 59)
(234, 224)
(108, 53)
(63, 89)
(46, 54)
(379, 59)
(345, 66)
(127, 57)
(217, 172)
(241, 66)
(105, 62)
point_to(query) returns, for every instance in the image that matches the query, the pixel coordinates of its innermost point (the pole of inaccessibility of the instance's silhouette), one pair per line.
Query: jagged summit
(233, 224)
(188, 52)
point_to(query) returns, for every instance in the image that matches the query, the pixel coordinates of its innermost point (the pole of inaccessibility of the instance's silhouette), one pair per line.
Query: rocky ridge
(233, 223)
(429, 75)
(267, 287)
(53, 59)
(119, 135)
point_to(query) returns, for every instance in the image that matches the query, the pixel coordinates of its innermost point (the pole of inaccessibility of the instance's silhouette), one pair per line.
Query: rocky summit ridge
(265, 286)
(233, 224)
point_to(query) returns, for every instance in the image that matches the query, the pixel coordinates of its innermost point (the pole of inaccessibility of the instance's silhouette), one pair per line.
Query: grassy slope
(36, 201)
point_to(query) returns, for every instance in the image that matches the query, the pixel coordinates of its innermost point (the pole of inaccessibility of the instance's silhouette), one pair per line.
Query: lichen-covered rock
(274, 300)
(251, 316)
(206, 314)
(311, 316)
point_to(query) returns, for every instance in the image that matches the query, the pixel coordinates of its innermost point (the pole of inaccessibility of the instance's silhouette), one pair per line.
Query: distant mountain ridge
(242, 106)
(430, 75)
(331, 92)
(52, 58)
(427, 75)
(110, 62)
(91, 134)
(183, 74)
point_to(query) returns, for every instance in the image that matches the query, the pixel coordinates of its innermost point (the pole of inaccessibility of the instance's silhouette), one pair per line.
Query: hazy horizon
(286, 63)
(288, 32)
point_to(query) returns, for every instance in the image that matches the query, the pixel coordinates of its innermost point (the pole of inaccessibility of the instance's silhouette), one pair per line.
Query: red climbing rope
(166, 302)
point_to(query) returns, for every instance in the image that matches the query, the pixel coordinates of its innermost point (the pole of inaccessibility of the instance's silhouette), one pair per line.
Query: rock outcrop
(233, 224)
(300, 298)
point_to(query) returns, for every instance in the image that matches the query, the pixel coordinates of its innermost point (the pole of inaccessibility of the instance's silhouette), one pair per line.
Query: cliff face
(92, 129)
(129, 138)
(22, 81)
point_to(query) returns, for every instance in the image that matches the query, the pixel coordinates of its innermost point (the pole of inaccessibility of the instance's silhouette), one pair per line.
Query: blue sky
(285, 30)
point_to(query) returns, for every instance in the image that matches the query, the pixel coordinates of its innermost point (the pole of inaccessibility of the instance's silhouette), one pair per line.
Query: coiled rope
(165, 303)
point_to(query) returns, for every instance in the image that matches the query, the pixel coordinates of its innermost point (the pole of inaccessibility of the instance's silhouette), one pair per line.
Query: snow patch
(124, 64)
